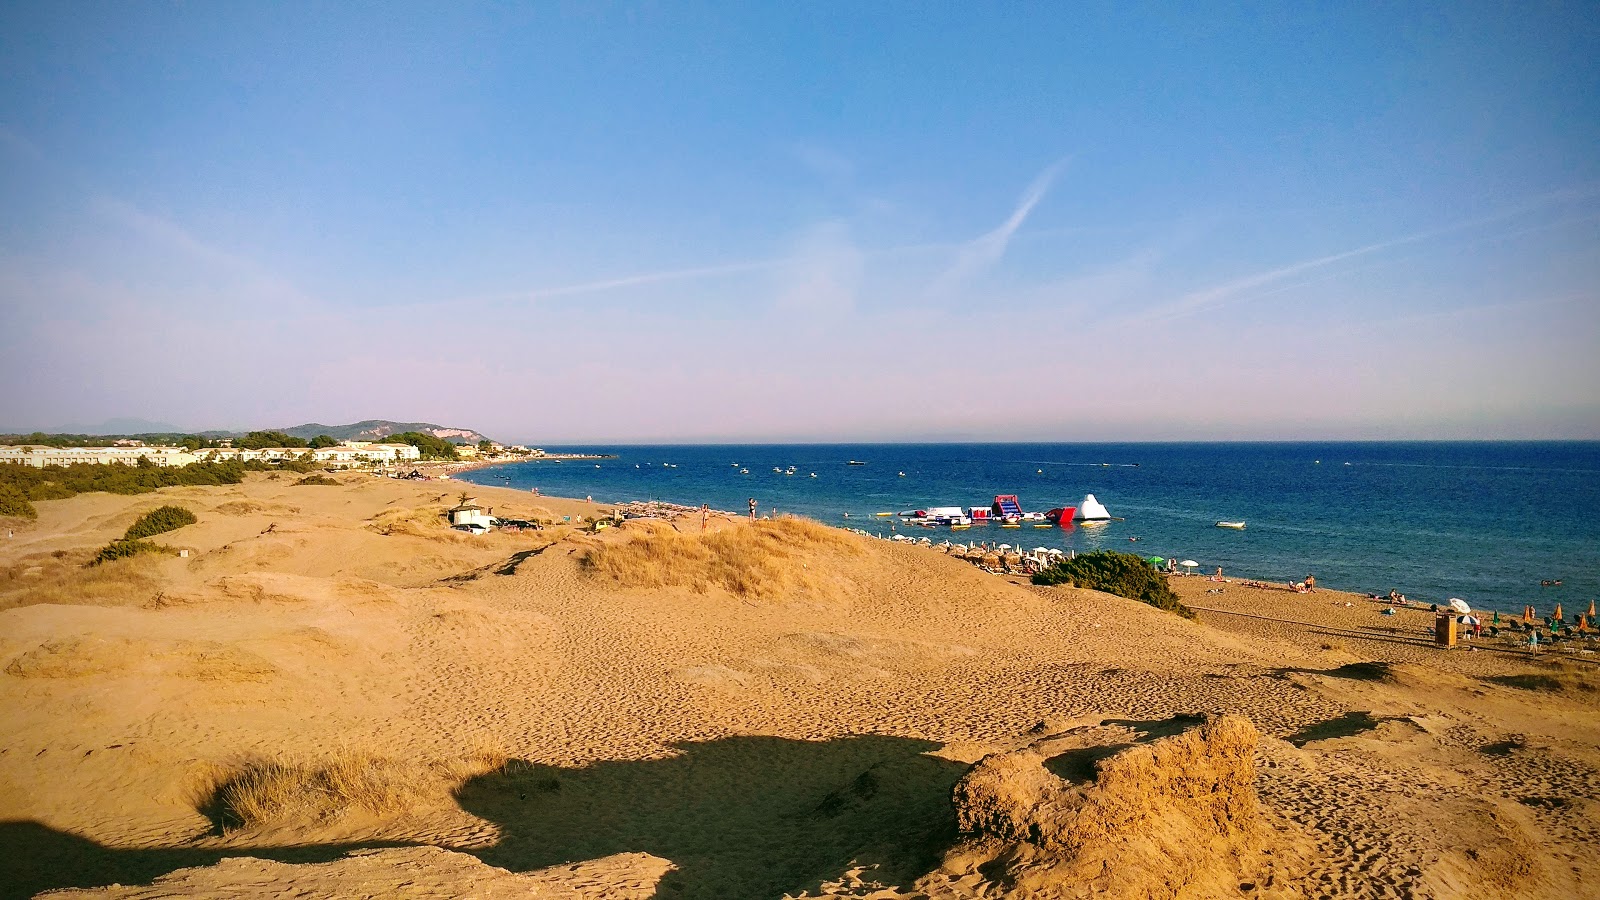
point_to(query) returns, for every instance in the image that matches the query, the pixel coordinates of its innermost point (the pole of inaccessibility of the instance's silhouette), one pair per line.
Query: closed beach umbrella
(1591, 609)
(1557, 614)
(1460, 605)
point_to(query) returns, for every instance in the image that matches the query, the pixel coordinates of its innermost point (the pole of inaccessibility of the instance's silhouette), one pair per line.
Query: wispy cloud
(982, 252)
(1245, 287)
(648, 278)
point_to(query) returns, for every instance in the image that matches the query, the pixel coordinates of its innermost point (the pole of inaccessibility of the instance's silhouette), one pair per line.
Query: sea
(1487, 522)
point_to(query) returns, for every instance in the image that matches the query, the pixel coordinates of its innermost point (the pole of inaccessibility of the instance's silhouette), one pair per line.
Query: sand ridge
(803, 743)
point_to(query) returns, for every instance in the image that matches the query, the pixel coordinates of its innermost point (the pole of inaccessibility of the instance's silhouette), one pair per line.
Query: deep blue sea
(1482, 521)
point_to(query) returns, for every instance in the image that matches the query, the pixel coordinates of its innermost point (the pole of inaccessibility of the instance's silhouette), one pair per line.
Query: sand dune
(766, 711)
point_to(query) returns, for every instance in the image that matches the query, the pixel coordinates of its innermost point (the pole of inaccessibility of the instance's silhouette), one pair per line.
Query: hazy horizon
(760, 223)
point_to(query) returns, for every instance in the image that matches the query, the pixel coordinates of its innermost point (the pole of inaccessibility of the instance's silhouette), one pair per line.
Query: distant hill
(374, 429)
(121, 427)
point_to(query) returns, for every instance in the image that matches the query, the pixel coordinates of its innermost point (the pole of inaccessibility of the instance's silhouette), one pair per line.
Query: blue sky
(805, 222)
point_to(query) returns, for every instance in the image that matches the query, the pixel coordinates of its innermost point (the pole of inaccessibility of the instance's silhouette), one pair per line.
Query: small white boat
(1238, 526)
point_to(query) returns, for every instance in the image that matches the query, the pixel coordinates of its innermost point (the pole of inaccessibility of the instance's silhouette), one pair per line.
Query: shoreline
(475, 674)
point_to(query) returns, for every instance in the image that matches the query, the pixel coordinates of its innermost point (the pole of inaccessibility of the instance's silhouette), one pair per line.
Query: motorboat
(855, 462)
(1238, 526)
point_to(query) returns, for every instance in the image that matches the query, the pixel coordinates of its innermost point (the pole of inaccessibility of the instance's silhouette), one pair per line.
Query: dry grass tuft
(239, 507)
(421, 521)
(264, 792)
(1569, 680)
(62, 578)
(759, 560)
(1154, 819)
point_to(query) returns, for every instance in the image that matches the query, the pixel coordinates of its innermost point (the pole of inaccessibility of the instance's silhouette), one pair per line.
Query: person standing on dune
(752, 508)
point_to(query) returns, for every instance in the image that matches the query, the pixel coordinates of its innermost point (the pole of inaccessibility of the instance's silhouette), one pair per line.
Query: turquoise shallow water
(1482, 521)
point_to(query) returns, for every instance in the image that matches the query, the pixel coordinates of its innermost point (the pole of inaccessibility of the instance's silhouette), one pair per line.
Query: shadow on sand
(750, 817)
(35, 857)
(747, 817)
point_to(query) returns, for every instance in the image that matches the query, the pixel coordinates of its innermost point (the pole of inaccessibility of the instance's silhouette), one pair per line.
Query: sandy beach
(332, 693)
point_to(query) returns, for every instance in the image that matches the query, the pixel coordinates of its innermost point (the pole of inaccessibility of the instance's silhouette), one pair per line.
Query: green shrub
(1123, 574)
(61, 482)
(15, 503)
(160, 521)
(430, 446)
(317, 479)
(123, 550)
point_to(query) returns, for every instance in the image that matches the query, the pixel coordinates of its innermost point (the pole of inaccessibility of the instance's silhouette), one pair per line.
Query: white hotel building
(349, 453)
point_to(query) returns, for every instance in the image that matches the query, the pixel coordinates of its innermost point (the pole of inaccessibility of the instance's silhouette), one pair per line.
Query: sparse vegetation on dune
(124, 549)
(760, 560)
(62, 578)
(1571, 680)
(1123, 574)
(159, 521)
(264, 791)
(318, 479)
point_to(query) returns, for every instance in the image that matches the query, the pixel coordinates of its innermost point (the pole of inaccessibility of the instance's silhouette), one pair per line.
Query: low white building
(348, 453)
(469, 515)
(39, 457)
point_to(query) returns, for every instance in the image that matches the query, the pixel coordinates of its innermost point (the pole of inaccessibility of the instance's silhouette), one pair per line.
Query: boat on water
(855, 462)
(1238, 526)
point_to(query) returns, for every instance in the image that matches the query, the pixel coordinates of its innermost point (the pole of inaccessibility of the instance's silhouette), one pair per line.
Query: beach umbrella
(1469, 620)
(1557, 614)
(1496, 619)
(1157, 561)
(1460, 605)
(1188, 564)
(1591, 609)
(1005, 546)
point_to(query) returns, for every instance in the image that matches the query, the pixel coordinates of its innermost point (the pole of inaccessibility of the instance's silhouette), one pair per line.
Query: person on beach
(1311, 584)
(752, 508)
(1218, 576)
(705, 515)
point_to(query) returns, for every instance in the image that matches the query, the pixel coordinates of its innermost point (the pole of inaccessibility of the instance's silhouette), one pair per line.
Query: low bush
(1123, 574)
(317, 479)
(14, 503)
(61, 482)
(160, 521)
(123, 550)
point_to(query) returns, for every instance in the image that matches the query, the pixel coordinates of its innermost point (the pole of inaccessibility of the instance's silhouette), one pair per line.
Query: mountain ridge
(377, 429)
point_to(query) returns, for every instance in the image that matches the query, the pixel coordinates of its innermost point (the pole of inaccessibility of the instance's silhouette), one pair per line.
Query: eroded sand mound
(1115, 810)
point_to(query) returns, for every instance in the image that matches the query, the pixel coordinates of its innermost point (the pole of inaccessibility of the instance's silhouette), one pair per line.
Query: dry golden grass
(1159, 819)
(1570, 680)
(62, 578)
(759, 560)
(420, 521)
(263, 792)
